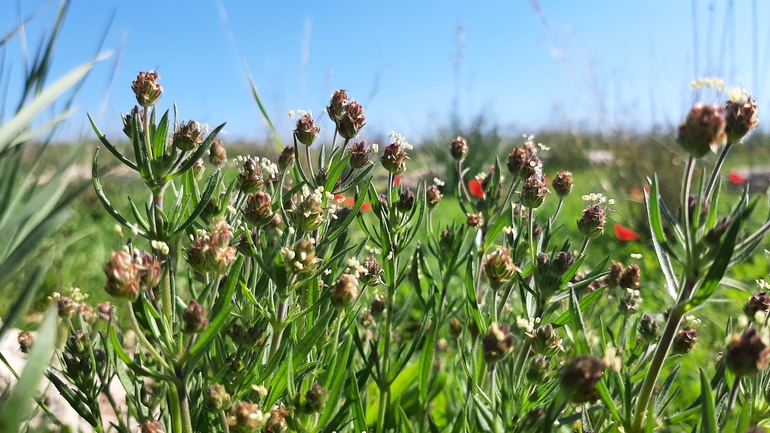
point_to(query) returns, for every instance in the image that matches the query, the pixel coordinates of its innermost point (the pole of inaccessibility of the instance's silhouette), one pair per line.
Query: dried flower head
(352, 120)
(539, 370)
(533, 191)
(146, 88)
(740, 113)
(345, 291)
(373, 274)
(301, 259)
(286, 158)
(592, 220)
(246, 417)
(25, 340)
(630, 277)
(630, 302)
(151, 426)
(546, 341)
(218, 154)
(757, 302)
(195, 318)
(276, 423)
(258, 210)
(747, 354)
(459, 149)
(394, 159)
(189, 136)
(250, 177)
(315, 399)
(684, 340)
(360, 154)
(578, 379)
(216, 399)
(122, 276)
(523, 161)
(336, 108)
(210, 251)
(433, 196)
(613, 278)
(562, 184)
(702, 130)
(475, 220)
(648, 328)
(406, 200)
(497, 343)
(306, 130)
(499, 266)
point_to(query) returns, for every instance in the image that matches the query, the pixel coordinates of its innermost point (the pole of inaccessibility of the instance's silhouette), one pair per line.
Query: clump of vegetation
(303, 295)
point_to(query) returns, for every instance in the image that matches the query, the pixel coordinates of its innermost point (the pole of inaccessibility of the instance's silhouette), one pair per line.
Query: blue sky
(596, 64)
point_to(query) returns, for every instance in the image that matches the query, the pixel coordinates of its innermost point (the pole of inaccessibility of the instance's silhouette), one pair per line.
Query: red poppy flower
(736, 178)
(397, 180)
(475, 188)
(625, 234)
(366, 207)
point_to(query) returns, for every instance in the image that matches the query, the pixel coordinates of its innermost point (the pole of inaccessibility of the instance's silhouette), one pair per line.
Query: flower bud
(499, 267)
(740, 116)
(276, 423)
(259, 209)
(218, 154)
(315, 399)
(523, 161)
(136, 114)
(533, 192)
(757, 302)
(352, 120)
(613, 278)
(151, 426)
(216, 399)
(306, 130)
(455, 327)
(195, 318)
(592, 220)
(713, 237)
(561, 263)
(66, 307)
(578, 379)
(146, 88)
(250, 177)
(377, 308)
(360, 155)
(546, 341)
(562, 184)
(336, 108)
(648, 328)
(629, 279)
(394, 159)
(497, 343)
(122, 279)
(301, 258)
(345, 291)
(747, 354)
(459, 149)
(629, 303)
(539, 370)
(433, 196)
(405, 201)
(25, 340)
(246, 417)
(189, 136)
(684, 340)
(475, 220)
(286, 158)
(702, 130)
(308, 214)
(373, 275)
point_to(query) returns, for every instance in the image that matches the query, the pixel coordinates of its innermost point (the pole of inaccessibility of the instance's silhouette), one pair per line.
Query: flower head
(189, 136)
(702, 130)
(740, 115)
(146, 88)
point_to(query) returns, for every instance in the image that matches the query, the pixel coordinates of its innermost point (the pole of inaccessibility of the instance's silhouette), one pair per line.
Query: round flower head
(306, 130)
(459, 149)
(146, 88)
(702, 130)
(740, 115)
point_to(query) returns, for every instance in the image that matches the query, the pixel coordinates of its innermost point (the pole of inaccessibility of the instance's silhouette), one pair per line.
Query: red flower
(366, 206)
(736, 178)
(625, 234)
(475, 188)
(397, 180)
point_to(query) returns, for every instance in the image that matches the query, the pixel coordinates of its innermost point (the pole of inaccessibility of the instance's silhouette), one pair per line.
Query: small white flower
(636, 256)
(438, 181)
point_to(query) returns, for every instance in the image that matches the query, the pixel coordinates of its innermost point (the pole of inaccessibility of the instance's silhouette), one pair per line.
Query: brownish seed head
(578, 378)
(562, 184)
(459, 149)
(702, 130)
(306, 130)
(146, 88)
(497, 343)
(740, 116)
(747, 354)
(684, 340)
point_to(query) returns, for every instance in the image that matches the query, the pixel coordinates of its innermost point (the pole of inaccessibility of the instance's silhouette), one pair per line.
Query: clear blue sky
(591, 64)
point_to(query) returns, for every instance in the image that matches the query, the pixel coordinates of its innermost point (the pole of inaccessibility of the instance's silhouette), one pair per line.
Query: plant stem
(733, 396)
(225, 424)
(278, 327)
(143, 340)
(384, 384)
(184, 403)
(493, 397)
(175, 409)
(685, 209)
(657, 364)
(462, 181)
(584, 246)
(717, 169)
(309, 162)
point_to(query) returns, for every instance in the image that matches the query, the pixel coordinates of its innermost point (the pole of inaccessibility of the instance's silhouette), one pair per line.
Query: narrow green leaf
(22, 302)
(262, 108)
(21, 398)
(578, 328)
(336, 380)
(105, 201)
(708, 412)
(403, 420)
(211, 331)
(584, 303)
(160, 136)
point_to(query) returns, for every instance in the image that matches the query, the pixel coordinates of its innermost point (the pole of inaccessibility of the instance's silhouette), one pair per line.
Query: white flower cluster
(708, 82)
(355, 268)
(438, 181)
(160, 246)
(398, 138)
(763, 285)
(74, 293)
(527, 324)
(612, 358)
(737, 95)
(301, 113)
(596, 197)
(269, 168)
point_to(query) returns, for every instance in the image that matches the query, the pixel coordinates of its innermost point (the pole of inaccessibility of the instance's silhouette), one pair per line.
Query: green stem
(143, 340)
(733, 396)
(493, 397)
(225, 424)
(717, 169)
(175, 409)
(584, 246)
(685, 207)
(184, 403)
(278, 327)
(657, 364)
